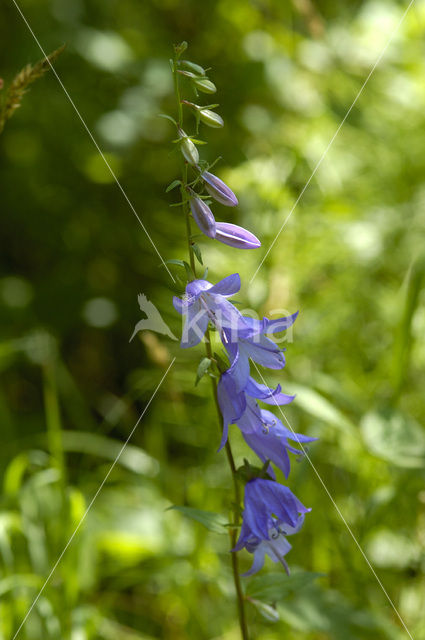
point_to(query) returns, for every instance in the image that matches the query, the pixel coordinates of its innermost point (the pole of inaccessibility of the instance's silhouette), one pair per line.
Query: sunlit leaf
(396, 437)
(273, 587)
(212, 521)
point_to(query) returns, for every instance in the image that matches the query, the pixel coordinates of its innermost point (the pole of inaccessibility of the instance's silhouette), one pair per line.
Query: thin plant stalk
(237, 497)
(237, 502)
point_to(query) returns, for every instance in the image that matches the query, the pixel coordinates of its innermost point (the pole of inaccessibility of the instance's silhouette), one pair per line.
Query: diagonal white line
(338, 510)
(83, 517)
(93, 139)
(332, 140)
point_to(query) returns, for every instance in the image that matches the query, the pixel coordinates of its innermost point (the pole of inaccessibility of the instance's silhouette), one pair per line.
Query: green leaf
(203, 367)
(197, 252)
(273, 587)
(133, 458)
(189, 271)
(173, 185)
(319, 407)
(205, 274)
(180, 263)
(196, 141)
(167, 117)
(211, 520)
(393, 436)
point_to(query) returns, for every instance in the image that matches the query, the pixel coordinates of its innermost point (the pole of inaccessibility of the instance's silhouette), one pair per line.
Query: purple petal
(196, 287)
(194, 327)
(267, 446)
(240, 366)
(267, 394)
(228, 286)
(179, 305)
(258, 562)
(235, 236)
(278, 399)
(264, 351)
(231, 404)
(280, 324)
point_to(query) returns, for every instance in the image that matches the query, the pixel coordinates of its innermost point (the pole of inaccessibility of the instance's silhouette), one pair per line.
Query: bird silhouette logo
(153, 321)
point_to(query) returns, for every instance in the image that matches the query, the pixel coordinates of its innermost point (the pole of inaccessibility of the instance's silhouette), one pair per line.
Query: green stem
(183, 191)
(186, 212)
(236, 519)
(177, 92)
(237, 501)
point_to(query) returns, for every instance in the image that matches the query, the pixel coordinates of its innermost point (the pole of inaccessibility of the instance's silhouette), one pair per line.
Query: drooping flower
(236, 405)
(219, 189)
(276, 548)
(204, 303)
(271, 510)
(268, 437)
(236, 237)
(203, 216)
(253, 343)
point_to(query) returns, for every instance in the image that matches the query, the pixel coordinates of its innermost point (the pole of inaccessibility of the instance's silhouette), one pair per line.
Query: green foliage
(275, 587)
(74, 258)
(210, 520)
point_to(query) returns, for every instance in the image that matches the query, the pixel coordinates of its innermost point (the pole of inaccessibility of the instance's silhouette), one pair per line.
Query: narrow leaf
(196, 141)
(273, 587)
(180, 263)
(197, 252)
(173, 185)
(188, 268)
(203, 367)
(167, 117)
(212, 521)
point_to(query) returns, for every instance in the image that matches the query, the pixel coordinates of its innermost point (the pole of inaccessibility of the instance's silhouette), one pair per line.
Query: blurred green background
(351, 259)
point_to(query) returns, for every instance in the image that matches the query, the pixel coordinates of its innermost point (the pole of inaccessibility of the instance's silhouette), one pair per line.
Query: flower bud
(204, 85)
(192, 66)
(211, 118)
(219, 190)
(180, 48)
(235, 236)
(188, 149)
(203, 216)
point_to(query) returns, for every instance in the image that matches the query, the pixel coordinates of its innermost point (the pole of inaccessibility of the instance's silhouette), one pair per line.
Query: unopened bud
(188, 149)
(204, 85)
(219, 189)
(180, 48)
(235, 236)
(211, 118)
(192, 66)
(203, 216)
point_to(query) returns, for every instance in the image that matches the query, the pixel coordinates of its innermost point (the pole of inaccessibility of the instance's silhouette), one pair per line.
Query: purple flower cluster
(271, 510)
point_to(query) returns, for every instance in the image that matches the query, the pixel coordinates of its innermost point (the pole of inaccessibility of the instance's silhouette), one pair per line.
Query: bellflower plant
(271, 511)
